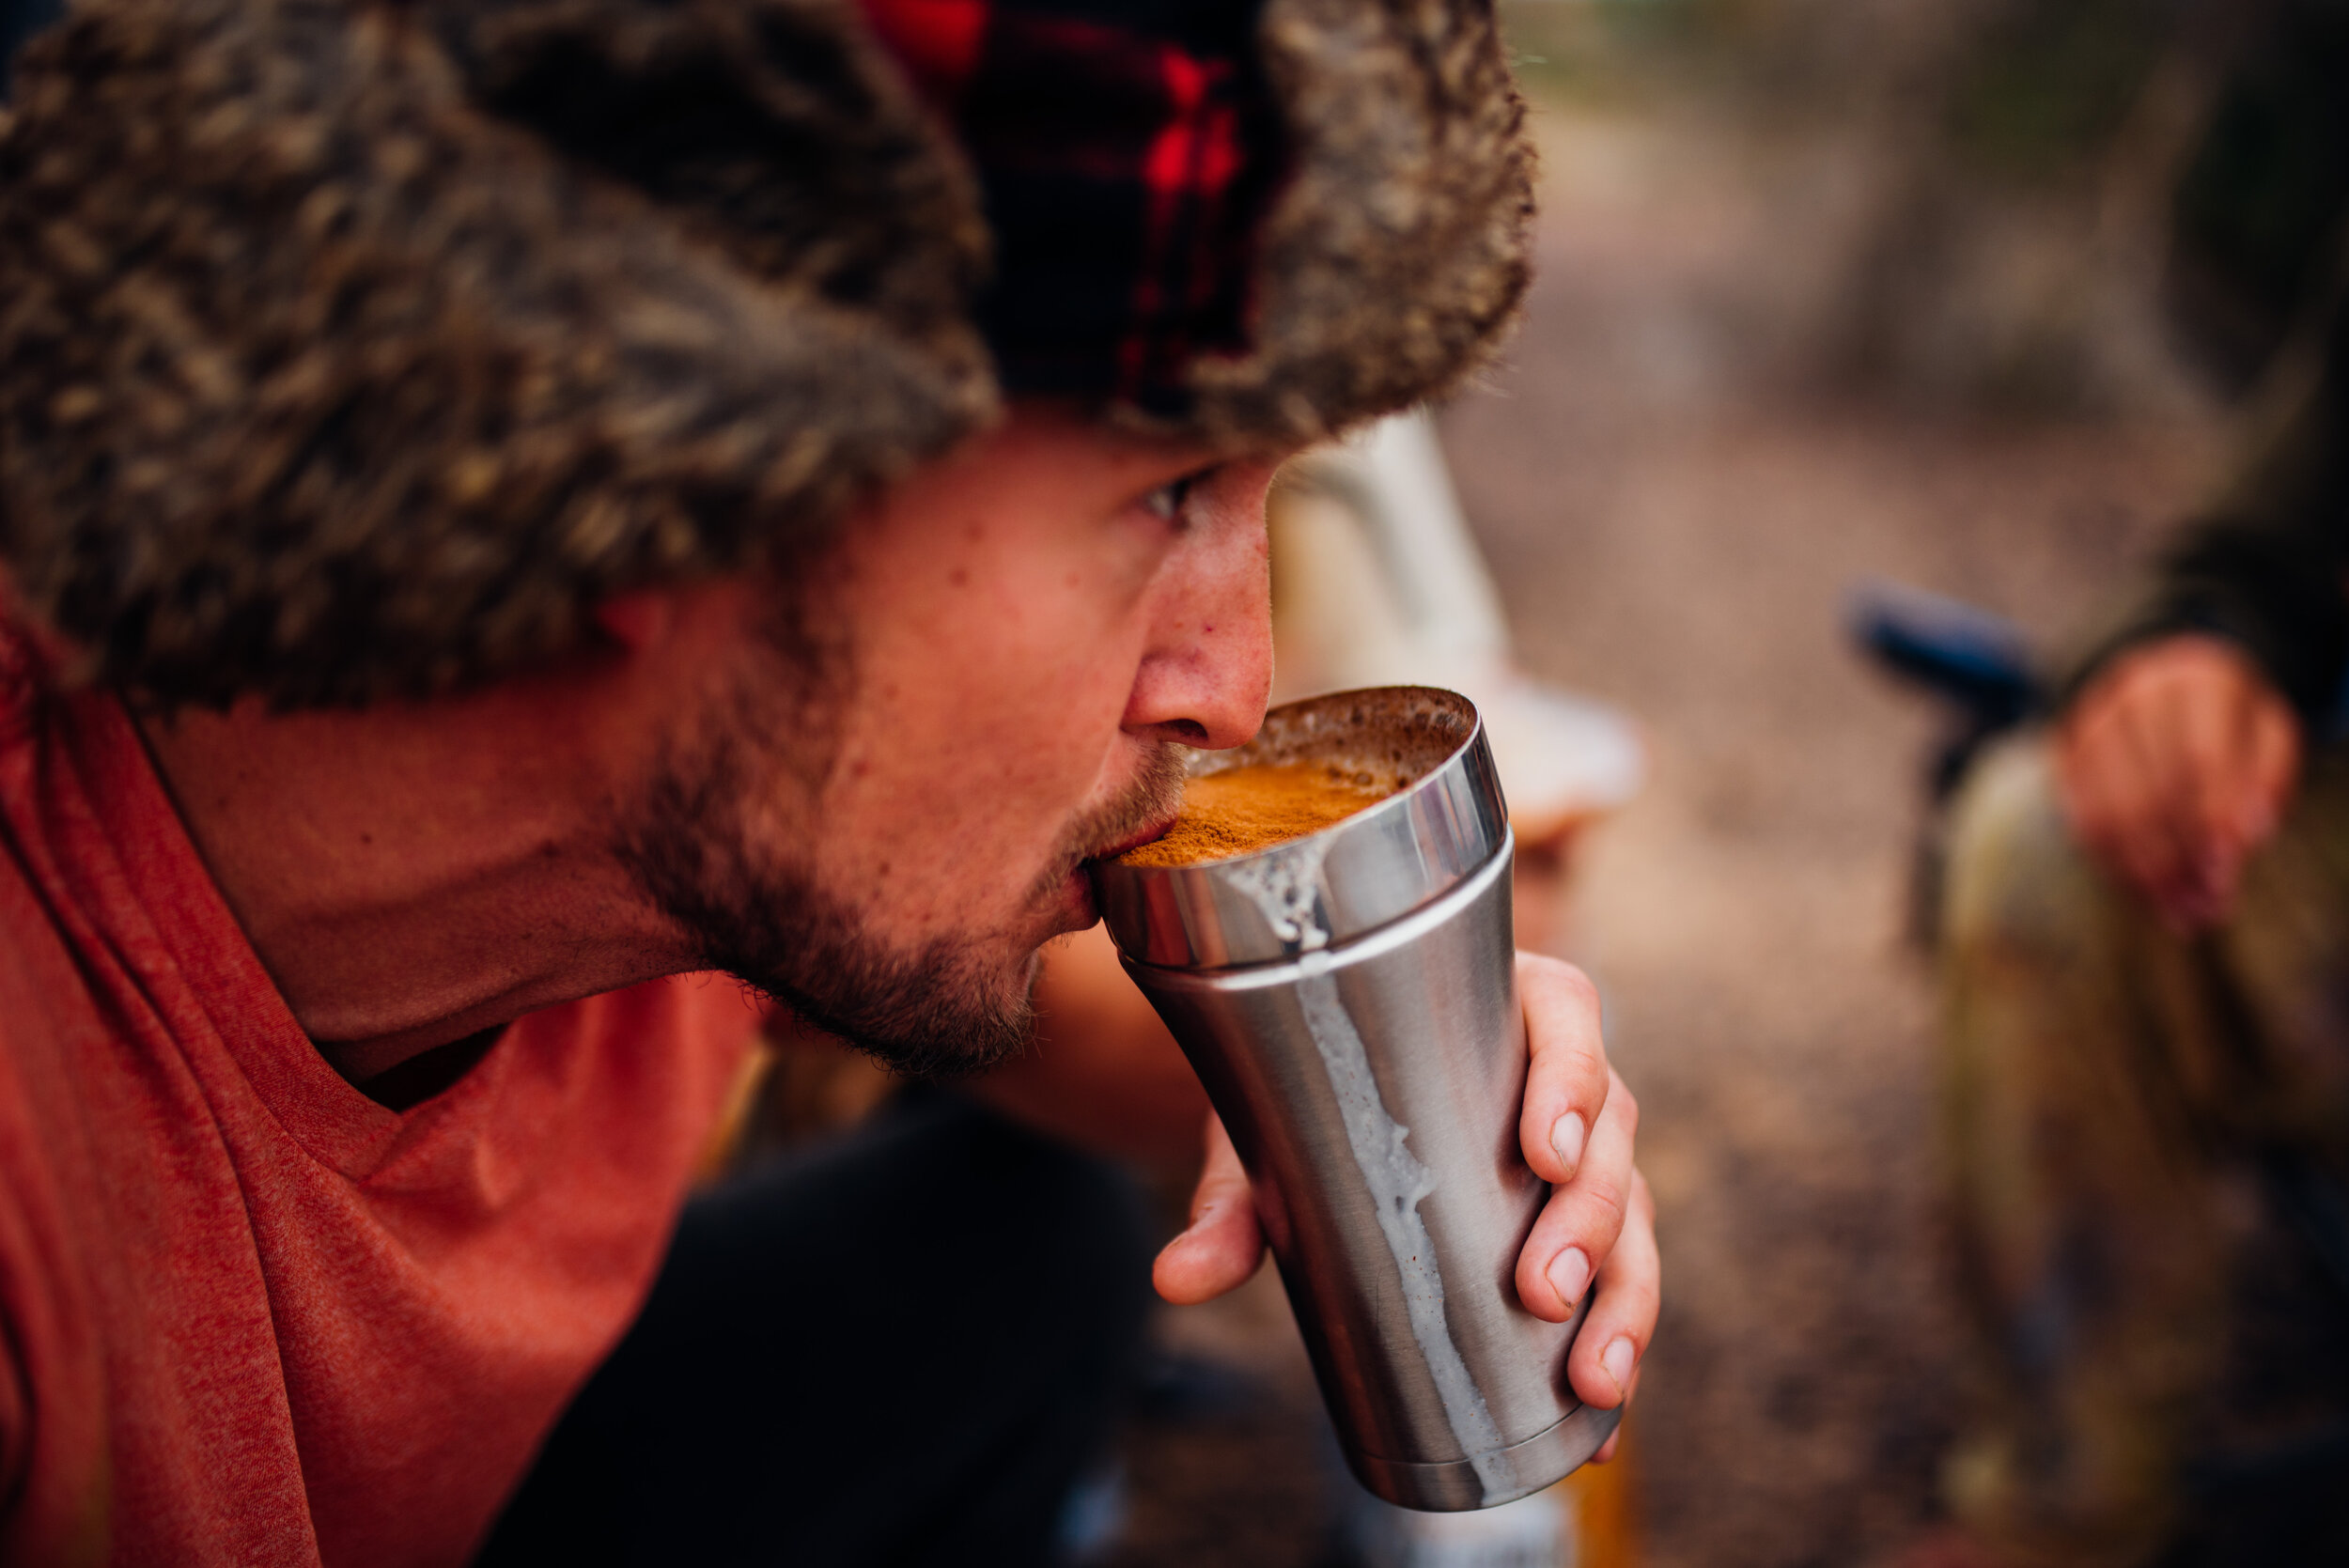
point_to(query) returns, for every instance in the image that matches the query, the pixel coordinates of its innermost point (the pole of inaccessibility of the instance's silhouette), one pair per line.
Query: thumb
(1224, 1244)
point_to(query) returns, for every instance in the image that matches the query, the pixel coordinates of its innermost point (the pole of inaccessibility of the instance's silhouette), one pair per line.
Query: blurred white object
(1532, 1532)
(1377, 581)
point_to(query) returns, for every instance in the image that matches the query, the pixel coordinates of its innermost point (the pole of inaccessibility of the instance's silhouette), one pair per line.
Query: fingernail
(1566, 1137)
(1618, 1363)
(1569, 1273)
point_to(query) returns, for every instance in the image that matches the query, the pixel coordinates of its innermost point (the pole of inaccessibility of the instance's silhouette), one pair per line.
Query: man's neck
(413, 875)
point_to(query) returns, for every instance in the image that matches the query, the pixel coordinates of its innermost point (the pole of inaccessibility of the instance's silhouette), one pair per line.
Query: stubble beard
(958, 1003)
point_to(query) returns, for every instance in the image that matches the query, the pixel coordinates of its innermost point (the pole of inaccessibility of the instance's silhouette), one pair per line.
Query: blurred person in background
(516, 512)
(2146, 952)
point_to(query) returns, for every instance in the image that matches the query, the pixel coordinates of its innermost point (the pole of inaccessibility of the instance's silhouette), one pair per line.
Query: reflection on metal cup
(1349, 999)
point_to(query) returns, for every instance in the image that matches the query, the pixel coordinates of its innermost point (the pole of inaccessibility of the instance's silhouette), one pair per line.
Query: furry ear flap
(349, 358)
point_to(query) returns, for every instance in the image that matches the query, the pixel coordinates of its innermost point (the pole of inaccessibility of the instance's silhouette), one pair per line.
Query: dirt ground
(1675, 525)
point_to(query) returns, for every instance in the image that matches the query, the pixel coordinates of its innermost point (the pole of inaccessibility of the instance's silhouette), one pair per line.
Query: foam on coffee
(1238, 811)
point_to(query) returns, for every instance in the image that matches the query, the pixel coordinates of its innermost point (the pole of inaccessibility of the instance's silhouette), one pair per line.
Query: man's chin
(928, 1021)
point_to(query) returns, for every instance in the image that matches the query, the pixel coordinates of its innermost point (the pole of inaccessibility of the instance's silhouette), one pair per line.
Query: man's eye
(1166, 503)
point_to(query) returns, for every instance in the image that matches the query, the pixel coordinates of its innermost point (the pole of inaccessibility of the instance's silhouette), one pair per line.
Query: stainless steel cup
(1349, 999)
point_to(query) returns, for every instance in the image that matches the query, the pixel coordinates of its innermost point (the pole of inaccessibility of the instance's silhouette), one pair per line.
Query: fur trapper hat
(355, 349)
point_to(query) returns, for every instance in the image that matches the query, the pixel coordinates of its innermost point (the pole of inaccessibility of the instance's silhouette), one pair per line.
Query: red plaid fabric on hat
(1127, 153)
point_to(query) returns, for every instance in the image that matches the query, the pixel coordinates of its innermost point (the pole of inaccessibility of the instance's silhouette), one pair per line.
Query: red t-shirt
(248, 1315)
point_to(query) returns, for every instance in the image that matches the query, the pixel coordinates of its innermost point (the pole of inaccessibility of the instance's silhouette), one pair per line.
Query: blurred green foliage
(1609, 49)
(2046, 84)
(2003, 119)
(2021, 88)
(2259, 211)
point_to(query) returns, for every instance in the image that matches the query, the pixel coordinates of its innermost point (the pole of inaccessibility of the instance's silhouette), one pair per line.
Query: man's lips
(1079, 886)
(1154, 831)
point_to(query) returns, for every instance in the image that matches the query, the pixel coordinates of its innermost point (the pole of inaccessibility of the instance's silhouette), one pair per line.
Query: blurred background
(1829, 290)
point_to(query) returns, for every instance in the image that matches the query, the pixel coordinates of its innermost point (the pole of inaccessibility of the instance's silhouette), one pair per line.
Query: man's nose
(1208, 669)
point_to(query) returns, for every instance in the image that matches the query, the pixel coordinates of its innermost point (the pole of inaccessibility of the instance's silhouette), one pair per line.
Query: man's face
(1013, 645)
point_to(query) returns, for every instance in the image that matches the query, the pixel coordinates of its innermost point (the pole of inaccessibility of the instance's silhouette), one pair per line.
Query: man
(513, 507)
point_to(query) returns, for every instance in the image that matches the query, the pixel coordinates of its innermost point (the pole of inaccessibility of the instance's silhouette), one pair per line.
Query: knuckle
(1603, 1198)
(1588, 1081)
(1634, 1321)
(1555, 974)
(1633, 1297)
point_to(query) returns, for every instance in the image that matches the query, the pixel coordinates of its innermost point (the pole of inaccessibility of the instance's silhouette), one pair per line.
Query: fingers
(1224, 1244)
(2153, 787)
(2210, 739)
(2238, 742)
(1566, 1083)
(1604, 1368)
(1613, 1445)
(2120, 783)
(1579, 1226)
(2271, 767)
(2175, 764)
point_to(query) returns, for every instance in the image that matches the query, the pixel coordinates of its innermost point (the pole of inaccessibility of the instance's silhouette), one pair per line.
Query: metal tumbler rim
(1374, 867)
